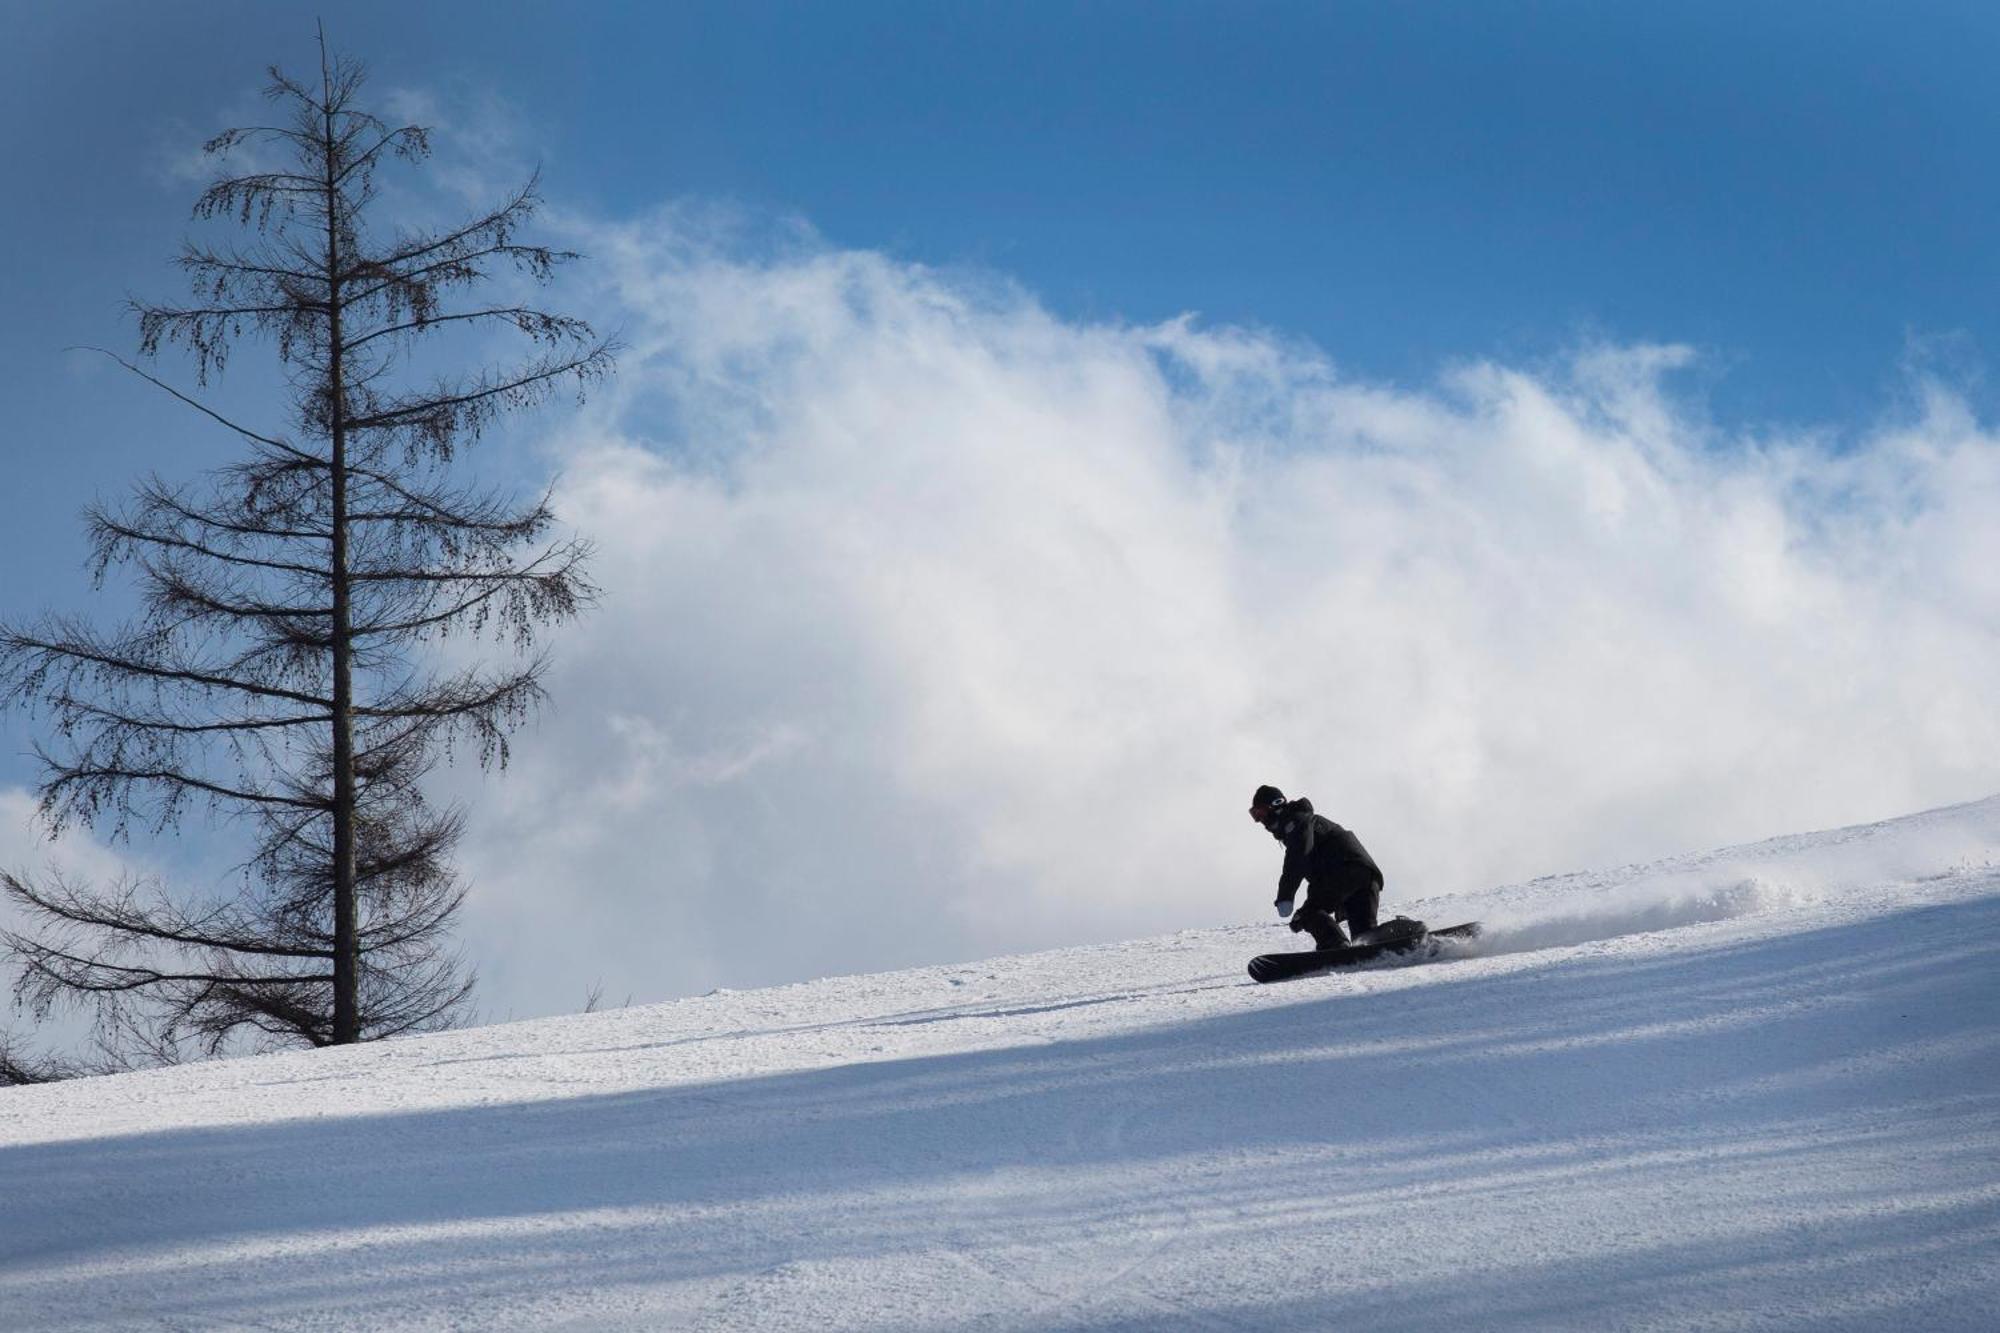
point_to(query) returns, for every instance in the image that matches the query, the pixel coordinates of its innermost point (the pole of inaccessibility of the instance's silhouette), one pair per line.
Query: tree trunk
(346, 925)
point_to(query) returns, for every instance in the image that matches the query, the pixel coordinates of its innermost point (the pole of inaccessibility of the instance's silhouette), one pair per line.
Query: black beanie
(1268, 795)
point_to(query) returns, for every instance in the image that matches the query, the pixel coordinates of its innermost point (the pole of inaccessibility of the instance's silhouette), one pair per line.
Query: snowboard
(1398, 936)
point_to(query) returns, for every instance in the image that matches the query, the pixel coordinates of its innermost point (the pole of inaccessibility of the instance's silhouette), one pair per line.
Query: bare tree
(284, 671)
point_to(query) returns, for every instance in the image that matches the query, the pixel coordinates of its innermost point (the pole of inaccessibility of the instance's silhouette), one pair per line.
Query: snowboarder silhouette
(1345, 883)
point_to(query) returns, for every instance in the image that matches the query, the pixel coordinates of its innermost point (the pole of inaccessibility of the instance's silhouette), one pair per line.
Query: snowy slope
(1756, 1088)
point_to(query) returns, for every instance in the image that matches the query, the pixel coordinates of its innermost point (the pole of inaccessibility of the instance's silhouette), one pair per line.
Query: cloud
(938, 626)
(481, 149)
(25, 848)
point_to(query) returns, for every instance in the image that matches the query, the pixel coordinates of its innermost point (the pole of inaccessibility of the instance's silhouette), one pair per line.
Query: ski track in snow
(1757, 1088)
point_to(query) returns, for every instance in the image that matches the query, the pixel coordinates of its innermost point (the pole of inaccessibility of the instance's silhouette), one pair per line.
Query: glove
(1284, 908)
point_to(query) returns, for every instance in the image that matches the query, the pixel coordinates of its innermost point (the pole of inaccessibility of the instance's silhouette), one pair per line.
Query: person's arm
(1298, 851)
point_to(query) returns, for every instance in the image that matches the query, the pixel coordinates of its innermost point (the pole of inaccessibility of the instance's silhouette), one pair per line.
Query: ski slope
(1758, 1088)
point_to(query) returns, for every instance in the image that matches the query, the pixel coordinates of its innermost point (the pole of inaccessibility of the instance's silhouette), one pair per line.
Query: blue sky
(1799, 188)
(1443, 209)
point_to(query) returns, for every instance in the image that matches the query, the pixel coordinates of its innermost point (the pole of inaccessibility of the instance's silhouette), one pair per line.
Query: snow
(1755, 1088)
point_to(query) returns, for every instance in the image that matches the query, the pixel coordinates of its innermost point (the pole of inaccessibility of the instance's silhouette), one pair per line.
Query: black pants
(1328, 904)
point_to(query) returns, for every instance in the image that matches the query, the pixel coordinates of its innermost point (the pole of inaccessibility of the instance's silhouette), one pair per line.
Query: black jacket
(1320, 852)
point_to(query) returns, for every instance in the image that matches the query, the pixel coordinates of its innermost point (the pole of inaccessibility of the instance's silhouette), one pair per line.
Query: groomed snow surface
(1758, 1088)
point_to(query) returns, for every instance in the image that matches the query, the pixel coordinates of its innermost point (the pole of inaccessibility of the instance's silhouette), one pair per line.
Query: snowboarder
(1345, 883)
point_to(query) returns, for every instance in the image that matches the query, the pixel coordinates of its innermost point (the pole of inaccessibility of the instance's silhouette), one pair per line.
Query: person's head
(1267, 802)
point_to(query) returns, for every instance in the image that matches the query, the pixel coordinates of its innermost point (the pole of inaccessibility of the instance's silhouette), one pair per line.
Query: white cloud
(938, 626)
(480, 149)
